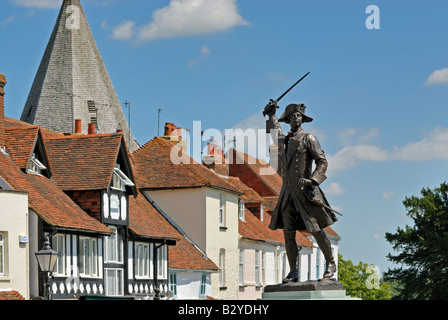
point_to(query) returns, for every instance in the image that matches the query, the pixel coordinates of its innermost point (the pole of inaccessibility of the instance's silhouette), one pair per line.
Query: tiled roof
(11, 295)
(146, 222)
(50, 203)
(83, 162)
(184, 255)
(254, 229)
(20, 142)
(155, 170)
(248, 194)
(258, 166)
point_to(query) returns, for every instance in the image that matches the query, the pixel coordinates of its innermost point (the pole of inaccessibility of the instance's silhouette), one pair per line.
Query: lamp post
(46, 258)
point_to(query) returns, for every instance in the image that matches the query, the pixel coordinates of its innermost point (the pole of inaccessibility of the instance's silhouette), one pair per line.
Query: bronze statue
(301, 204)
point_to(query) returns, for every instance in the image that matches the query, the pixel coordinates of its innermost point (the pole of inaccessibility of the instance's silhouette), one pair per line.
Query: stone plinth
(309, 290)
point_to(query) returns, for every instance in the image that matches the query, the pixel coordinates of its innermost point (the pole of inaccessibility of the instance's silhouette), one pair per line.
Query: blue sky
(378, 96)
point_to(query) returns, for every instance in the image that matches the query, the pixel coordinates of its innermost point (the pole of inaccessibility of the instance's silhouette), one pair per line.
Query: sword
(273, 104)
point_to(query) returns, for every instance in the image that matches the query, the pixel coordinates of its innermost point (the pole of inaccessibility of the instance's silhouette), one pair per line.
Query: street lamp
(46, 258)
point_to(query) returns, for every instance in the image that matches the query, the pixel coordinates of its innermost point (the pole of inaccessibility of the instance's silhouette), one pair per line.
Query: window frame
(162, 262)
(203, 286)
(118, 285)
(241, 212)
(241, 268)
(2, 254)
(222, 211)
(58, 243)
(91, 260)
(142, 263)
(117, 241)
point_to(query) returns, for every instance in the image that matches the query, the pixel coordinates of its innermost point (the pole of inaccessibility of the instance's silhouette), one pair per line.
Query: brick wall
(2, 111)
(89, 201)
(250, 179)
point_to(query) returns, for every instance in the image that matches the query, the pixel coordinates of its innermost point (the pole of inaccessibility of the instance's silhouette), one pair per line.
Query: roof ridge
(22, 128)
(84, 136)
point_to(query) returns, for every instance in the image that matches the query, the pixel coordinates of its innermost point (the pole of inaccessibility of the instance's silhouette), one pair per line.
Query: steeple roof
(72, 81)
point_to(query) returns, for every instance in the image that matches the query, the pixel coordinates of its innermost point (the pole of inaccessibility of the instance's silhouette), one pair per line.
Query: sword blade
(295, 84)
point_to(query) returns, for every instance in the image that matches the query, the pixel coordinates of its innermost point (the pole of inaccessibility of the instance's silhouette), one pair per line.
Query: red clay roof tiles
(11, 295)
(50, 203)
(155, 170)
(83, 162)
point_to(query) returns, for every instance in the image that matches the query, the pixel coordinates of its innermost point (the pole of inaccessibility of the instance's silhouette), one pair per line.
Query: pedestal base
(309, 290)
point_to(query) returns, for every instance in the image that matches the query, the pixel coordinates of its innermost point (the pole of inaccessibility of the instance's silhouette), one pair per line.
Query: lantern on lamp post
(46, 258)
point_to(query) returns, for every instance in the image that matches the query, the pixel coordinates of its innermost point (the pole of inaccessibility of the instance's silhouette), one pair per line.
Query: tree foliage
(422, 249)
(362, 281)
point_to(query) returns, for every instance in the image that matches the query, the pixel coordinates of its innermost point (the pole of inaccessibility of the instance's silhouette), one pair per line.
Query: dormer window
(120, 180)
(35, 166)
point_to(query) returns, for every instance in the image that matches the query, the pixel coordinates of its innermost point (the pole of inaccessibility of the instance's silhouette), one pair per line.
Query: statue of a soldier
(301, 204)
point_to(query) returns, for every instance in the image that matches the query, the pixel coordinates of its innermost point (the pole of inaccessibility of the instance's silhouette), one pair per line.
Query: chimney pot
(78, 126)
(168, 129)
(92, 128)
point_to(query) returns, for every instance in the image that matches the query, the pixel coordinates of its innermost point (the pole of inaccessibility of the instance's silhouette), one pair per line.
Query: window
(203, 287)
(162, 262)
(284, 264)
(241, 268)
(58, 244)
(2, 254)
(173, 284)
(114, 247)
(88, 257)
(257, 267)
(241, 213)
(119, 179)
(222, 211)
(261, 212)
(222, 273)
(115, 206)
(263, 267)
(35, 166)
(114, 282)
(142, 260)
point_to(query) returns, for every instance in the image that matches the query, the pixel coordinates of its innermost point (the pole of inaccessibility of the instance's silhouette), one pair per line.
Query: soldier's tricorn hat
(292, 108)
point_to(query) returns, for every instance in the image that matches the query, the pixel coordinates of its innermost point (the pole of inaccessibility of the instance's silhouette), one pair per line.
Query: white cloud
(432, 147)
(205, 52)
(124, 31)
(388, 195)
(45, 4)
(335, 189)
(192, 17)
(358, 136)
(438, 77)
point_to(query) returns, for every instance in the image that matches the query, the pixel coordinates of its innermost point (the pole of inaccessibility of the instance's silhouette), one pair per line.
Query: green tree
(362, 281)
(422, 248)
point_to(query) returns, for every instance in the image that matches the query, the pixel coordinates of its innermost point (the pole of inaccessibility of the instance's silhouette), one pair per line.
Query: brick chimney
(78, 126)
(2, 111)
(215, 159)
(92, 128)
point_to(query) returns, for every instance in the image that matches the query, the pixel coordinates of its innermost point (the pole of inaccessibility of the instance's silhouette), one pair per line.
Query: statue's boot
(292, 252)
(325, 246)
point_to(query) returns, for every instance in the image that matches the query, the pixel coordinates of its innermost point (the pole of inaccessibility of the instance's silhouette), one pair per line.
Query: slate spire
(72, 82)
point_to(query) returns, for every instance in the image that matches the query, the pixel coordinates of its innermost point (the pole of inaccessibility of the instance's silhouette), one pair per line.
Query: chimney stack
(2, 111)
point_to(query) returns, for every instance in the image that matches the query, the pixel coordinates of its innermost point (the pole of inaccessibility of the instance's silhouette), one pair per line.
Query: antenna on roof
(128, 105)
(158, 123)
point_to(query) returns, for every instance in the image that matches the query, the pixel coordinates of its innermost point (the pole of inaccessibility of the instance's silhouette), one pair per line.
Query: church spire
(72, 82)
